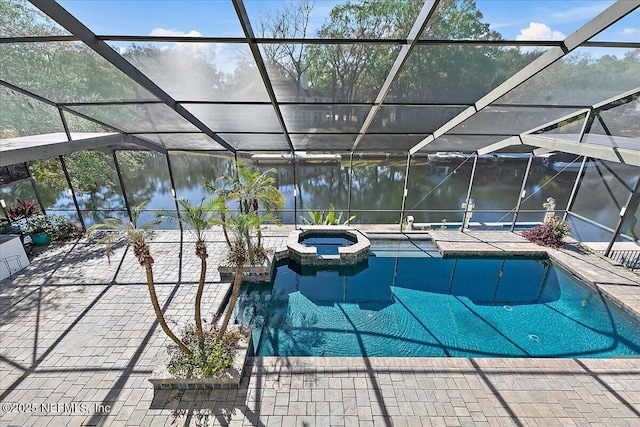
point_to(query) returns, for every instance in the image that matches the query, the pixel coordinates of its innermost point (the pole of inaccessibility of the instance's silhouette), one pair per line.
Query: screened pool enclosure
(383, 109)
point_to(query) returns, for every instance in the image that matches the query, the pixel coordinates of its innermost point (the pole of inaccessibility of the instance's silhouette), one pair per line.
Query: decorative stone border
(250, 273)
(231, 378)
(347, 255)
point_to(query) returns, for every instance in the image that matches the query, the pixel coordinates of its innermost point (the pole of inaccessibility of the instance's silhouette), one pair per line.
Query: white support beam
(508, 142)
(24, 152)
(542, 151)
(602, 152)
(556, 121)
(616, 98)
(606, 18)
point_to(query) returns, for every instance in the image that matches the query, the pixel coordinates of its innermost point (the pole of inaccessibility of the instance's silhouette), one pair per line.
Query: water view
(436, 188)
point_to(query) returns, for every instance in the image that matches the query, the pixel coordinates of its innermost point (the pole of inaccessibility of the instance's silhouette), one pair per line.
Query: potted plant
(17, 215)
(39, 227)
(252, 191)
(136, 235)
(22, 209)
(198, 356)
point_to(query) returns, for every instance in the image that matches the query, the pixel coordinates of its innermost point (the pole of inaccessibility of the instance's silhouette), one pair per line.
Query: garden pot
(40, 239)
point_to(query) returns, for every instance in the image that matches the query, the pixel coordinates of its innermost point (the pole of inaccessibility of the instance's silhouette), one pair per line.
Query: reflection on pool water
(411, 302)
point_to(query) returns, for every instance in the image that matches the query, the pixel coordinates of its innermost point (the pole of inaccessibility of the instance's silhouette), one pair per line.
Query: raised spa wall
(347, 255)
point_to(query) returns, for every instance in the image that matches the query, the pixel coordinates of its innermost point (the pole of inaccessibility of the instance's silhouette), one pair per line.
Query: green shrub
(210, 360)
(59, 227)
(331, 217)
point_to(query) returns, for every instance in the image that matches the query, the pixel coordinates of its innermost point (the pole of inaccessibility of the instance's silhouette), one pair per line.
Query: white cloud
(161, 32)
(629, 32)
(194, 48)
(538, 31)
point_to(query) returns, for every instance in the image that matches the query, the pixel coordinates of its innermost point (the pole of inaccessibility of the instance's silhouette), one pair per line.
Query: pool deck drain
(76, 329)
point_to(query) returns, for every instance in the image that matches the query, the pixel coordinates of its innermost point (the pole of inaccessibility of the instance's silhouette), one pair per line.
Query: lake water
(372, 190)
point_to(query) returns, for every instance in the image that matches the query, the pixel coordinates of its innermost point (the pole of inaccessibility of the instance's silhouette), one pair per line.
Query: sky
(515, 19)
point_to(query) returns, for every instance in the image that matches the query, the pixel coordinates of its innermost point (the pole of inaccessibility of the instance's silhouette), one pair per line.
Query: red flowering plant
(22, 209)
(551, 233)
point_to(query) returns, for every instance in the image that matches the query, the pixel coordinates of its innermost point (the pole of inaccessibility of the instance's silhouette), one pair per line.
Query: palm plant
(240, 225)
(137, 235)
(220, 203)
(253, 190)
(197, 219)
(256, 190)
(331, 217)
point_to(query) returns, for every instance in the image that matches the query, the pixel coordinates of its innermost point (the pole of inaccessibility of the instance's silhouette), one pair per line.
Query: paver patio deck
(78, 342)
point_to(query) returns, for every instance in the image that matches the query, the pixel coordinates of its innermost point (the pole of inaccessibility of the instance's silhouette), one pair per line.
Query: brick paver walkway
(78, 343)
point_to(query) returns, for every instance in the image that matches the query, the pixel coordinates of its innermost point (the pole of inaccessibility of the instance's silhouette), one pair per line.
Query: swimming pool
(409, 301)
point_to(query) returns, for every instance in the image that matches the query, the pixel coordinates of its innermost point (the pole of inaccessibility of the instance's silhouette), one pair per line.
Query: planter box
(250, 273)
(231, 378)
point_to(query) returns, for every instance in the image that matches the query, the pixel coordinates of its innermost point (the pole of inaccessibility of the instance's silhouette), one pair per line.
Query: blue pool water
(411, 302)
(326, 244)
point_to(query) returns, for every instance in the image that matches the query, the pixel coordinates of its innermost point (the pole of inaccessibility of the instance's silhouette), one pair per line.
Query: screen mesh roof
(403, 76)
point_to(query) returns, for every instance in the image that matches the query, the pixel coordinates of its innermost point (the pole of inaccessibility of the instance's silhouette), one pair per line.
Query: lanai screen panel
(388, 142)
(182, 141)
(23, 116)
(66, 72)
(27, 21)
(333, 19)
(317, 77)
(509, 121)
(412, 118)
(137, 118)
(455, 74)
(236, 118)
(498, 17)
(220, 72)
(250, 142)
(584, 77)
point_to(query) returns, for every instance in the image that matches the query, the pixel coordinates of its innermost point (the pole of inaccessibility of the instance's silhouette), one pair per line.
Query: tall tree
(287, 60)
